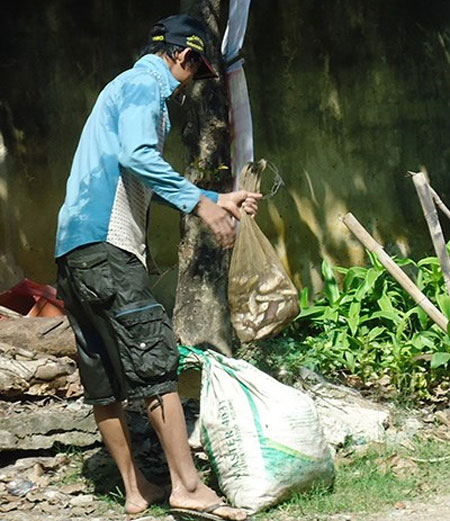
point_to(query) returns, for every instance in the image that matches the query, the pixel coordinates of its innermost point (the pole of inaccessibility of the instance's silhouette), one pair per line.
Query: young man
(124, 338)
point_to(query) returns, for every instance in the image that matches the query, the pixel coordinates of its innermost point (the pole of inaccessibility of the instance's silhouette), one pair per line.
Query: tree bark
(201, 314)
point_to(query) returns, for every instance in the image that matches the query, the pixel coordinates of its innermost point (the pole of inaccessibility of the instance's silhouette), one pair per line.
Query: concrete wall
(55, 58)
(346, 97)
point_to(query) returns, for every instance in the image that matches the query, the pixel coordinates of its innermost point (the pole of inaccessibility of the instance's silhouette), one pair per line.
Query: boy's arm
(138, 124)
(138, 135)
(214, 196)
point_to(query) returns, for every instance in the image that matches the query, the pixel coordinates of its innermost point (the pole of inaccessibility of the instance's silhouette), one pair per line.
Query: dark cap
(186, 31)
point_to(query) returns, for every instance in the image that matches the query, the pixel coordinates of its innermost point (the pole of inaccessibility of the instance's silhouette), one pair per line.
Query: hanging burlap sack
(262, 298)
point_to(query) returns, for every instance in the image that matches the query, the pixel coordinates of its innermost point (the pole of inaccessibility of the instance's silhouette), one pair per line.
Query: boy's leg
(90, 280)
(188, 491)
(114, 430)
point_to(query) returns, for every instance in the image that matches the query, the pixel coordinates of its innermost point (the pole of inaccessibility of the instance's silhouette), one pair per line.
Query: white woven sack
(263, 438)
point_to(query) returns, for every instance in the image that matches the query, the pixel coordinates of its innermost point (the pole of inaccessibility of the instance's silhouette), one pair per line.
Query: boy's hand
(219, 220)
(234, 201)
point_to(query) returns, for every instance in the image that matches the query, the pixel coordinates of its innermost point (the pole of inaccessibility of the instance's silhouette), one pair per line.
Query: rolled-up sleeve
(138, 135)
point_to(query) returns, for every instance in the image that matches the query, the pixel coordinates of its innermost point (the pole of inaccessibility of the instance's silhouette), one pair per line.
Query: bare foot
(147, 493)
(203, 497)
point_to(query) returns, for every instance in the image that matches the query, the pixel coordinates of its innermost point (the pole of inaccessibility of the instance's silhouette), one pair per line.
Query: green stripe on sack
(274, 461)
(182, 362)
(278, 459)
(191, 358)
(288, 450)
(256, 418)
(283, 466)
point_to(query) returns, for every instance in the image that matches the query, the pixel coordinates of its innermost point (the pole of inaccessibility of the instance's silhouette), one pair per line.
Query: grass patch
(113, 500)
(373, 479)
(370, 478)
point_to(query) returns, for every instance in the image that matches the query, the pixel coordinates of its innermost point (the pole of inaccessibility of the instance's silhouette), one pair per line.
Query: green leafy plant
(364, 326)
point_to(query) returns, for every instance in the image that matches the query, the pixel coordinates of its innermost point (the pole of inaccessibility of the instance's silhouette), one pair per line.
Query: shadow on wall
(346, 97)
(55, 59)
(340, 105)
(10, 273)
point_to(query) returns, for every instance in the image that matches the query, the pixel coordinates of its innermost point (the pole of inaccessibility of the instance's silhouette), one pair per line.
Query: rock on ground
(345, 415)
(34, 428)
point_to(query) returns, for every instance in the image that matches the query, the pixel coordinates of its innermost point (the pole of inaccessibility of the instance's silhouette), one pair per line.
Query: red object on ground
(32, 299)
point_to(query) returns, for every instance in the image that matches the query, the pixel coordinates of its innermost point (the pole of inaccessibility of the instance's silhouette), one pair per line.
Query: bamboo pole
(399, 275)
(431, 216)
(439, 203)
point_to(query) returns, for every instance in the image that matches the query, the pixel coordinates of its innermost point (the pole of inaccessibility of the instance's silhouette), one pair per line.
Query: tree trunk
(201, 314)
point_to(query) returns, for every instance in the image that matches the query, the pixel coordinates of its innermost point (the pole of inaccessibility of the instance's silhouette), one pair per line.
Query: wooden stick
(432, 218)
(431, 460)
(399, 275)
(439, 203)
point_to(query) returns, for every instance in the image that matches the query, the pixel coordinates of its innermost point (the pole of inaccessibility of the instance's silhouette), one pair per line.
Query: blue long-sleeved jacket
(118, 164)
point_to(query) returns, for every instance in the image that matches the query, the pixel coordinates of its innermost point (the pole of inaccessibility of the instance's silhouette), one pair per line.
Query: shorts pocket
(150, 350)
(92, 277)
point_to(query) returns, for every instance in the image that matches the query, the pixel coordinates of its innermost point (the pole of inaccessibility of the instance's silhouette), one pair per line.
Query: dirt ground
(79, 484)
(434, 509)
